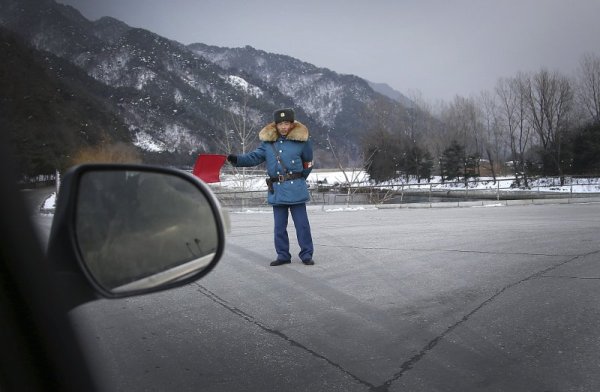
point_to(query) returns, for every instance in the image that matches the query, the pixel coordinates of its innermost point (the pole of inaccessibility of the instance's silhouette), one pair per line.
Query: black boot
(308, 262)
(280, 262)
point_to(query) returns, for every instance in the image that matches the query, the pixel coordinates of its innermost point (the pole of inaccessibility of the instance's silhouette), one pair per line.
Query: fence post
(498, 190)
(571, 192)
(348, 196)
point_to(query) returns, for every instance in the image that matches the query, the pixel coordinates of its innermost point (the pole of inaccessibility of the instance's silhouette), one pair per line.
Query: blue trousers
(282, 242)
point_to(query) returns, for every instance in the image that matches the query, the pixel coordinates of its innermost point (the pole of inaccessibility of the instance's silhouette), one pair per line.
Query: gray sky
(438, 48)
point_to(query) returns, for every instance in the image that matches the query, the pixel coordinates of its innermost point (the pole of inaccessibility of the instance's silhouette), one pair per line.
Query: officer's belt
(287, 177)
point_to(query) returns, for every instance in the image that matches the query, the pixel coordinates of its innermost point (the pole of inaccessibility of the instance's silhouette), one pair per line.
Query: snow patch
(50, 202)
(143, 78)
(243, 85)
(346, 209)
(176, 136)
(146, 142)
(177, 96)
(251, 212)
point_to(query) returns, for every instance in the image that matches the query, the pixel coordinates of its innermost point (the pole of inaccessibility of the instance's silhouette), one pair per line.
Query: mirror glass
(138, 230)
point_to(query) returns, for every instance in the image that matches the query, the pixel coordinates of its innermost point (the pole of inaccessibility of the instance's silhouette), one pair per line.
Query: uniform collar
(298, 134)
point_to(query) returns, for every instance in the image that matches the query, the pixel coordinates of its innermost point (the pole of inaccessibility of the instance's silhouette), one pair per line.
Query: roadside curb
(451, 204)
(448, 204)
(493, 203)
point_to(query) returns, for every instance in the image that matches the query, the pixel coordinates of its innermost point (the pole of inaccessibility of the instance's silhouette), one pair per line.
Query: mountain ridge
(183, 99)
(390, 92)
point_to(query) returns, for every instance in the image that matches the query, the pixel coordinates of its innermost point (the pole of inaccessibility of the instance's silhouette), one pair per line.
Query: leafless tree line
(526, 119)
(523, 122)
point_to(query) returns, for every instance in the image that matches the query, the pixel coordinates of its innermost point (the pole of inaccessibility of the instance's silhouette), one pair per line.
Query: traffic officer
(287, 150)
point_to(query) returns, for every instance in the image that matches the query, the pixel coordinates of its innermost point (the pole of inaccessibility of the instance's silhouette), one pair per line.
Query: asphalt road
(458, 299)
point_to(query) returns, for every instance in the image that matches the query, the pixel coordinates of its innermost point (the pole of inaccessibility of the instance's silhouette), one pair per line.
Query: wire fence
(360, 193)
(237, 193)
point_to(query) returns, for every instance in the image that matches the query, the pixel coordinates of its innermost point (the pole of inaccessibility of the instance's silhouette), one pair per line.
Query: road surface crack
(409, 364)
(215, 298)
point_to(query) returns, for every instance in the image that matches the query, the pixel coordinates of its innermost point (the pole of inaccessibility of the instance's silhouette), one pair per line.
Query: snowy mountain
(182, 100)
(388, 91)
(343, 105)
(320, 92)
(170, 99)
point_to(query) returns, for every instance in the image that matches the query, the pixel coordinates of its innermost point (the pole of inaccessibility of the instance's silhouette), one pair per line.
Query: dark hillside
(51, 107)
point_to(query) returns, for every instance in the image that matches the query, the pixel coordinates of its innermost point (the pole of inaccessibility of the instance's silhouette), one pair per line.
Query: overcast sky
(436, 48)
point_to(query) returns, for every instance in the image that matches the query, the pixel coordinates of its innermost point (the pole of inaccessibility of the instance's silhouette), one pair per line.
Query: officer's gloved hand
(232, 159)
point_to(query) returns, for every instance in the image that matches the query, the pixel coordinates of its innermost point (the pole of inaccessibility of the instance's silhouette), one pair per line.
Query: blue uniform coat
(296, 153)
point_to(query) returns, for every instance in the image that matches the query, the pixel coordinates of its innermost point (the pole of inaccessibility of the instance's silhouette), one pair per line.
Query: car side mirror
(134, 229)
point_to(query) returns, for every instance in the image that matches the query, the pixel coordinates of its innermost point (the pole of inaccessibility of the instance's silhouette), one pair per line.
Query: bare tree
(352, 176)
(462, 119)
(493, 138)
(427, 130)
(512, 116)
(240, 130)
(588, 85)
(549, 99)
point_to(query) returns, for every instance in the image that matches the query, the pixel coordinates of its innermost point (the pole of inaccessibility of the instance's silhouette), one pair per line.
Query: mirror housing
(122, 230)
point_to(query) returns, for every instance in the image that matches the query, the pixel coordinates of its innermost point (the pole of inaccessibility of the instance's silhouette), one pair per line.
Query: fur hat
(283, 115)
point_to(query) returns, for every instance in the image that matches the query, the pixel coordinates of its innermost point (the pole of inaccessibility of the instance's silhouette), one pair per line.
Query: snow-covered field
(332, 178)
(325, 178)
